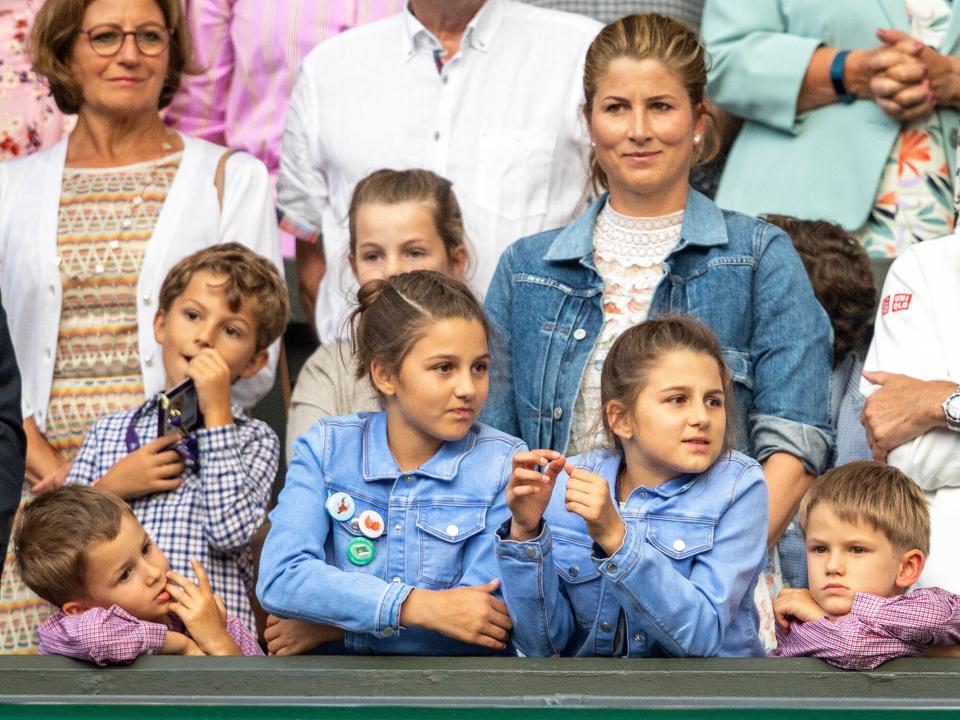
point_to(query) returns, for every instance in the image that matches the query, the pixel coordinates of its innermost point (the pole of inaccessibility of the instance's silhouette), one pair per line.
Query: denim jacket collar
(609, 467)
(378, 462)
(703, 226)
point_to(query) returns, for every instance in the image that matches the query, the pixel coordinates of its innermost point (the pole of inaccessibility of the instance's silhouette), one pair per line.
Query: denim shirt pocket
(443, 530)
(680, 538)
(580, 576)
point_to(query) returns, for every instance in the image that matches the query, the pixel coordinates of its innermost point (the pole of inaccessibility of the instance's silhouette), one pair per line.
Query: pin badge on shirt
(340, 506)
(371, 524)
(360, 551)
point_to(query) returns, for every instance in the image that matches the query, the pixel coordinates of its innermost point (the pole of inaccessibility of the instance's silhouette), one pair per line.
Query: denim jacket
(738, 275)
(683, 577)
(439, 528)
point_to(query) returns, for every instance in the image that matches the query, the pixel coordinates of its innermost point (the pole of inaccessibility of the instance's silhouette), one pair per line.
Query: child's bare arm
(202, 612)
(294, 637)
(179, 644)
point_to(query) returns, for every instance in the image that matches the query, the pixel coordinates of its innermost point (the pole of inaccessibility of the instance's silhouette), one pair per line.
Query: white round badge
(371, 524)
(340, 506)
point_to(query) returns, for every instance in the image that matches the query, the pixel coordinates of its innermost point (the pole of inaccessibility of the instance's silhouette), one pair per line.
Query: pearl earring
(696, 139)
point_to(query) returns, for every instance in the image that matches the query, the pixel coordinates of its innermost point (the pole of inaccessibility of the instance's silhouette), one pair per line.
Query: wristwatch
(836, 77)
(951, 410)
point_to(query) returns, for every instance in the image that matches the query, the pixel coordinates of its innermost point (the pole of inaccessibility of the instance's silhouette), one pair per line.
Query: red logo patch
(901, 301)
(885, 305)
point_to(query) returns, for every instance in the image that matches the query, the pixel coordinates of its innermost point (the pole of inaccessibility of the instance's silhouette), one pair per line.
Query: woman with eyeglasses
(90, 227)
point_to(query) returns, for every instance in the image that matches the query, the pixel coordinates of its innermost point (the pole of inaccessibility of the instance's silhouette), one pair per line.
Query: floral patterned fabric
(915, 196)
(29, 118)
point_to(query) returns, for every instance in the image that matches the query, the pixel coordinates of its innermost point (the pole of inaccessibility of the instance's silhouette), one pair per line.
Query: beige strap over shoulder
(220, 176)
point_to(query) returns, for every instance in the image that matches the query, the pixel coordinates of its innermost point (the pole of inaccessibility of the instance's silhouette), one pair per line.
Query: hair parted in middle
(650, 36)
(53, 534)
(249, 277)
(392, 187)
(395, 312)
(638, 348)
(877, 494)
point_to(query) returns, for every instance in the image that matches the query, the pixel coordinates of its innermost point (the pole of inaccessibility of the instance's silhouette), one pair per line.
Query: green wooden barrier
(344, 688)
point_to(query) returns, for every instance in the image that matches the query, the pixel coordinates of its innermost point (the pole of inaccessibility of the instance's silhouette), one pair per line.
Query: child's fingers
(523, 475)
(272, 632)
(578, 508)
(155, 446)
(532, 458)
(202, 577)
(170, 471)
(525, 490)
(166, 457)
(188, 587)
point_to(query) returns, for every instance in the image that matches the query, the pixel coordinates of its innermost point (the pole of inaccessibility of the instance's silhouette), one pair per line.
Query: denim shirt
(439, 528)
(683, 577)
(739, 276)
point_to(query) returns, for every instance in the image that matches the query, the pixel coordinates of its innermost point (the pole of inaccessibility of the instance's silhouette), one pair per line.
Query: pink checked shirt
(877, 629)
(251, 52)
(113, 635)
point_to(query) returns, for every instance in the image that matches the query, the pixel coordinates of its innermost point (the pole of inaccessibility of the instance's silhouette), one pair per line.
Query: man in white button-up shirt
(485, 93)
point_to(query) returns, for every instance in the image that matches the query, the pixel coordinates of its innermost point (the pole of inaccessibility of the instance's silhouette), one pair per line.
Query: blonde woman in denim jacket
(558, 298)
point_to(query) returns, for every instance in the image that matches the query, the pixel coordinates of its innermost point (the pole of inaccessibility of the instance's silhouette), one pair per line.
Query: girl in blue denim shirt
(651, 548)
(382, 538)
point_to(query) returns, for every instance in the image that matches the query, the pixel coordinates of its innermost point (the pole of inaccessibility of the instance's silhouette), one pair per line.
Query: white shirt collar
(479, 32)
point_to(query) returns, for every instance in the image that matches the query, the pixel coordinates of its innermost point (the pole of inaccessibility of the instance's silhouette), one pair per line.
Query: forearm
(817, 90)
(42, 458)
(787, 481)
(311, 266)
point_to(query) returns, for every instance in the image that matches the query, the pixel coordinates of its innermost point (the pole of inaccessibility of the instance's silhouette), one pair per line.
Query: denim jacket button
(453, 530)
(530, 552)
(679, 545)
(611, 568)
(557, 413)
(388, 632)
(579, 334)
(574, 571)
(605, 627)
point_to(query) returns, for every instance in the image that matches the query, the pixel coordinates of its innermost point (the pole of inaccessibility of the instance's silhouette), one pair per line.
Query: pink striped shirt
(251, 51)
(876, 629)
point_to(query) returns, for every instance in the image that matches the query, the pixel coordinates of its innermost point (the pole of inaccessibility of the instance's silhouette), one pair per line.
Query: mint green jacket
(821, 164)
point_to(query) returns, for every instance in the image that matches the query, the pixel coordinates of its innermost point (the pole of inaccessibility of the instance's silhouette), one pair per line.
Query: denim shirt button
(612, 568)
(397, 580)
(388, 632)
(557, 413)
(530, 552)
(679, 545)
(579, 334)
(574, 571)
(605, 627)
(638, 637)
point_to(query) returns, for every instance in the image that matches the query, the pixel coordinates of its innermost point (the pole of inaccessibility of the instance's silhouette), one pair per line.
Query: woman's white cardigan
(191, 219)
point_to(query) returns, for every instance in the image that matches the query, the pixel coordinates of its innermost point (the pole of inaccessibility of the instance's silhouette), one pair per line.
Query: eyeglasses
(106, 40)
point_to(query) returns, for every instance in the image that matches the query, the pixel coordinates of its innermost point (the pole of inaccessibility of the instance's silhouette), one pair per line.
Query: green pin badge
(361, 551)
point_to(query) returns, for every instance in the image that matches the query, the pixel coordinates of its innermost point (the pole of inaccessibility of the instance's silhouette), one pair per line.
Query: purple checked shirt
(112, 635)
(876, 629)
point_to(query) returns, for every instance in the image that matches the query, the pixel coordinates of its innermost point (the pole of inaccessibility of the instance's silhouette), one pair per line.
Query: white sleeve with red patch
(909, 339)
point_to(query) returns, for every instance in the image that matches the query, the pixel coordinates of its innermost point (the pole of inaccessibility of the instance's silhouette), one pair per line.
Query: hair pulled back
(640, 347)
(650, 36)
(392, 187)
(395, 312)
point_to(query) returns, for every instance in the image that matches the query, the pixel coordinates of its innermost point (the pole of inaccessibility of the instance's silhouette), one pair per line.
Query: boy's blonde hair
(53, 532)
(868, 491)
(249, 277)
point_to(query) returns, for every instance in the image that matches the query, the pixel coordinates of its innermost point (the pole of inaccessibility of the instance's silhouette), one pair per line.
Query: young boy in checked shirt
(84, 551)
(203, 496)
(867, 532)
